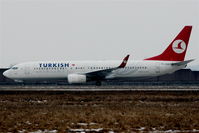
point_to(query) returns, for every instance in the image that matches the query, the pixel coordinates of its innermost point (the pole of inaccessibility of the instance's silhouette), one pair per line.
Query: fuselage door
(27, 70)
(157, 68)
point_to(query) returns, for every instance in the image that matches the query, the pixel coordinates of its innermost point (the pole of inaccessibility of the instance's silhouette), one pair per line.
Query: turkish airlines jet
(171, 60)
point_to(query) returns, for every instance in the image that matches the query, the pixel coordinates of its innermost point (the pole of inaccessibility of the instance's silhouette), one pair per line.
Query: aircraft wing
(101, 74)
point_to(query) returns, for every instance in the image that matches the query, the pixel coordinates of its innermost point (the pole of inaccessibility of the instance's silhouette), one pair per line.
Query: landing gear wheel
(98, 83)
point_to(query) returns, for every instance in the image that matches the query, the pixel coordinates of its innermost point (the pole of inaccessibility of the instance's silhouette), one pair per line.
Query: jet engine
(76, 78)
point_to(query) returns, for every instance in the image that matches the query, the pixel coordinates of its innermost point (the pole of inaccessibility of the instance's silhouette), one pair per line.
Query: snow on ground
(142, 129)
(38, 101)
(39, 131)
(86, 124)
(95, 130)
(86, 130)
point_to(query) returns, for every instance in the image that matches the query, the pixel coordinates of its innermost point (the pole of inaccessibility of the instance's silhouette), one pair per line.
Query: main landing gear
(98, 83)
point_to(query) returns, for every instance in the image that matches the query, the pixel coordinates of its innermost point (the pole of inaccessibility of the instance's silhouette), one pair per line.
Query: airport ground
(99, 111)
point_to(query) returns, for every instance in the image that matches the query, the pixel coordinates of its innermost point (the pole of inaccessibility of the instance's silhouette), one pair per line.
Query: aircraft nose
(7, 74)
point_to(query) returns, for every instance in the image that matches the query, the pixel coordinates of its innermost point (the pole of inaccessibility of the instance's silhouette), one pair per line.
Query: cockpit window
(14, 68)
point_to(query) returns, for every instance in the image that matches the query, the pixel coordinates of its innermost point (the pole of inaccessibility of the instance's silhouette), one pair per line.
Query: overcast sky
(35, 30)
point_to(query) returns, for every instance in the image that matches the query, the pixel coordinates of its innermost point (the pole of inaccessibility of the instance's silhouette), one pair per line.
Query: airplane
(171, 60)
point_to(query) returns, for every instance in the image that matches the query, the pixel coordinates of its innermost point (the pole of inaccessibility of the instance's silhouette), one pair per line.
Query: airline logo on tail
(179, 46)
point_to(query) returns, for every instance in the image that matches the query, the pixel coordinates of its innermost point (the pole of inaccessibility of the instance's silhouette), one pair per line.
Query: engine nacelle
(76, 78)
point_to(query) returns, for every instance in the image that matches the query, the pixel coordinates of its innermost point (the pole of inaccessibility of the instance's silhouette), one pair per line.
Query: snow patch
(22, 131)
(45, 131)
(174, 131)
(38, 101)
(86, 130)
(28, 123)
(86, 124)
(142, 128)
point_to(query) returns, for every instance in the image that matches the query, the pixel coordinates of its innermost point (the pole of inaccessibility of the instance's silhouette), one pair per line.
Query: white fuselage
(61, 69)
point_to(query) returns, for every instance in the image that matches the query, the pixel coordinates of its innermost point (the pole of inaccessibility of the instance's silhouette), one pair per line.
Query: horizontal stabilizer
(182, 62)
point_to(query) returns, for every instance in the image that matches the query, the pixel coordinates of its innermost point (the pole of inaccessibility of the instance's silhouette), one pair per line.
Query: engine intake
(76, 78)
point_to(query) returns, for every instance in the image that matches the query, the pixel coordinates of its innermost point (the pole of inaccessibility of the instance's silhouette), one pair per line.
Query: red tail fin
(177, 49)
(124, 62)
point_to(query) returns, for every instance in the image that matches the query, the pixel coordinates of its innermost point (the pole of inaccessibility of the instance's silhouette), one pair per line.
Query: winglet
(124, 62)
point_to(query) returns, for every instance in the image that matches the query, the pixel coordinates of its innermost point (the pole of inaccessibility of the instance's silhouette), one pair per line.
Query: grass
(117, 111)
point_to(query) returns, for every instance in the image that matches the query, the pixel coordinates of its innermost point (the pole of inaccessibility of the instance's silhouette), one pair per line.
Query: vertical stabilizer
(177, 48)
